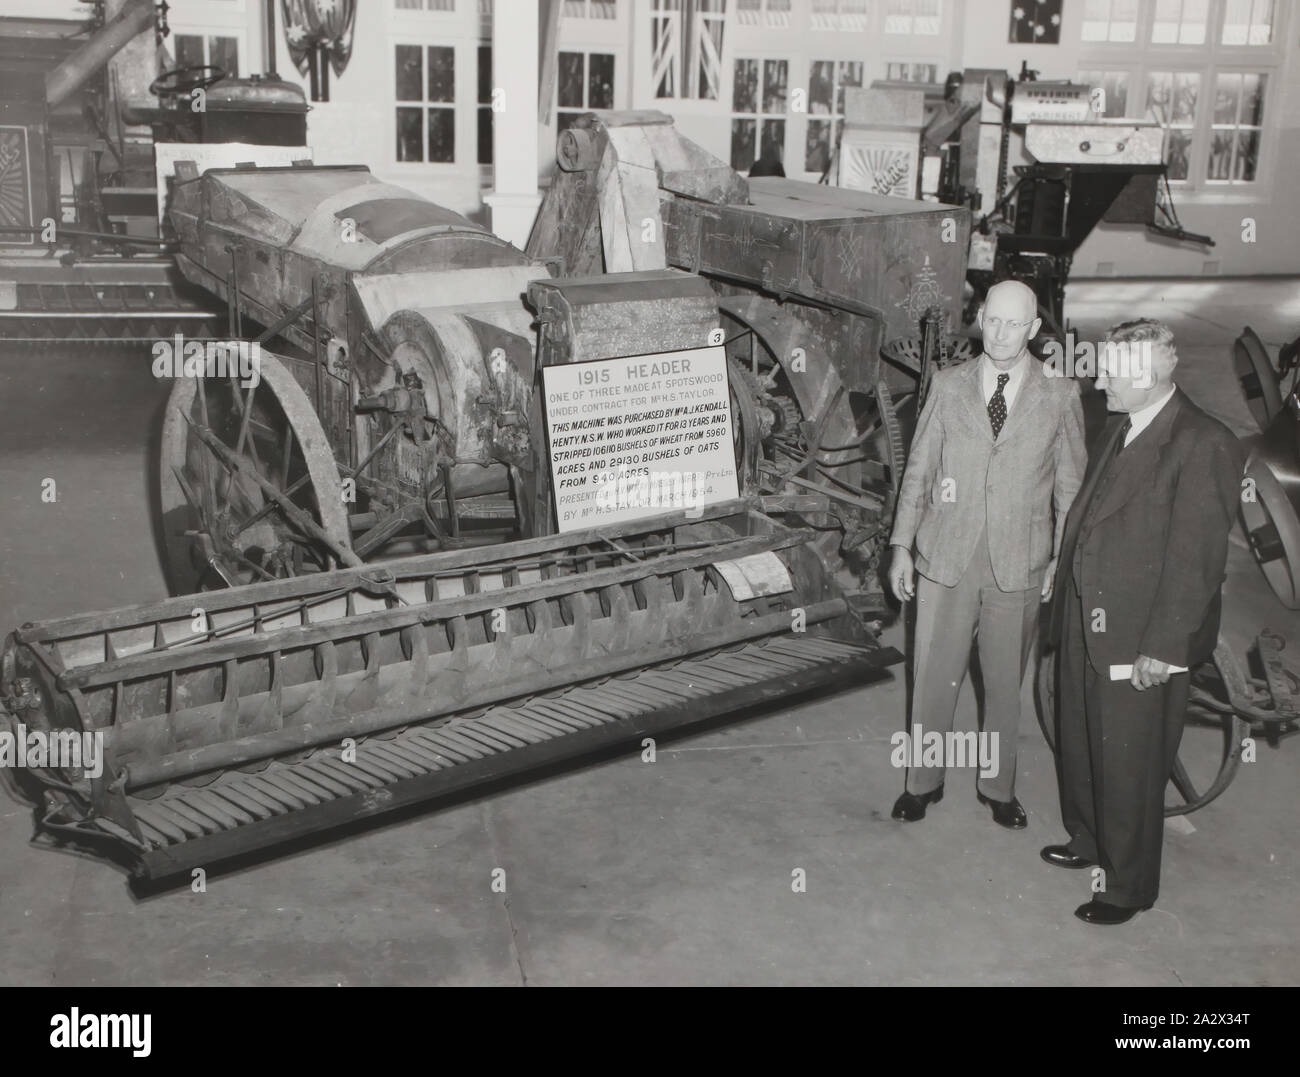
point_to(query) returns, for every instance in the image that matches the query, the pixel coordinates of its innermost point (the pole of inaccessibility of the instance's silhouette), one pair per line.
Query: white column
(514, 198)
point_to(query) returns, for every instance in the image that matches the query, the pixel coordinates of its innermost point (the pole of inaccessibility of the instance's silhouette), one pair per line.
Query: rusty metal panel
(632, 314)
(852, 249)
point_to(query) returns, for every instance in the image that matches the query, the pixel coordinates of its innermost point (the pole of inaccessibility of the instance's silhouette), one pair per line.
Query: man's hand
(1049, 580)
(1148, 672)
(902, 574)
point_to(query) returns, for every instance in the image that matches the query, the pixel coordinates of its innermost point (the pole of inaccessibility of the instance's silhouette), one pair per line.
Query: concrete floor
(677, 872)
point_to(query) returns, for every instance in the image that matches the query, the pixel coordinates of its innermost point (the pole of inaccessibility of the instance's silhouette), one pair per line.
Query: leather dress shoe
(1060, 856)
(1007, 813)
(1098, 912)
(911, 806)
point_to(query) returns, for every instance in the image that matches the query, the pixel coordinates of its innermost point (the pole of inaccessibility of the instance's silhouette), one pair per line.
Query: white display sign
(636, 437)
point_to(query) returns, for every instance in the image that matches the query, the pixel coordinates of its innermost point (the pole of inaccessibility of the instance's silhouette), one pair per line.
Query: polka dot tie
(998, 405)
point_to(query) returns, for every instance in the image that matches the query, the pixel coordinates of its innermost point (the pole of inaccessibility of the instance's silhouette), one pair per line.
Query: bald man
(997, 458)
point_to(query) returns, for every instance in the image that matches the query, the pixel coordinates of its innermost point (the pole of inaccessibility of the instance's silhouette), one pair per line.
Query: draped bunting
(319, 34)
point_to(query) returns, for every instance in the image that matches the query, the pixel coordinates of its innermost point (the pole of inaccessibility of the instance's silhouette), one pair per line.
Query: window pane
(850, 74)
(1227, 99)
(744, 95)
(410, 144)
(1196, 14)
(1096, 20)
(1171, 97)
(1114, 86)
(1252, 99)
(1219, 164)
(600, 80)
(485, 136)
(1123, 20)
(442, 135)
(223, 52)
(569, 75)
(821, 86)
(1181, 22)
(442, 73)
(410, 74)
(775, 76)
(1178, 153)
(1247, 22)
(189, 50)
(742, 145)
(1247, 156)
(817, 148)
(485, 74)
(774, 138)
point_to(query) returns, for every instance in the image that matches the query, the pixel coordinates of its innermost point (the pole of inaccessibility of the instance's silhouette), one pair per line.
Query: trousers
(1002, 623)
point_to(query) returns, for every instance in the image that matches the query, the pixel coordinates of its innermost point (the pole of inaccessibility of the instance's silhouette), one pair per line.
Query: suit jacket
(958, 480)
(1147, 540)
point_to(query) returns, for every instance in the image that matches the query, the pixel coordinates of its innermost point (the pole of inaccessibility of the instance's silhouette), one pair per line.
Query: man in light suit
(1141, 566)
(998, 448)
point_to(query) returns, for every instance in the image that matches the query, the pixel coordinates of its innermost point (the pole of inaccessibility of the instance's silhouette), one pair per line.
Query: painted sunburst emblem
(15, 197)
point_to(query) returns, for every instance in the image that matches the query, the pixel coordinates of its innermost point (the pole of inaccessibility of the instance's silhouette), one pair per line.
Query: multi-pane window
(1236, 127)
(911, 16)
(774, 13)
(839, 14)
(485, 104)
(584, 81)
(1110, 20)
(1180, 22)
(827, 80)
(1247, 22)
(686, 48)
(590, 9)
(758, 105)
(199, 50)
(908, 71)
(1171, 102)
(426, 109)
(1114, 91)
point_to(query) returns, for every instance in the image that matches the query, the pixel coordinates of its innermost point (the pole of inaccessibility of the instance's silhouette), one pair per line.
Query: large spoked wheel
(227, 452)
(1257, 378)
(1213, 684)
(1273, 531)
(808, 439)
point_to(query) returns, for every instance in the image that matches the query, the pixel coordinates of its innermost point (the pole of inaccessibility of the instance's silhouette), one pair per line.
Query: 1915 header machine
(364, 544)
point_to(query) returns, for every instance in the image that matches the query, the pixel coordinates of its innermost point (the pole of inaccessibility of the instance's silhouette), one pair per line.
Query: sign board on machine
(639, 436)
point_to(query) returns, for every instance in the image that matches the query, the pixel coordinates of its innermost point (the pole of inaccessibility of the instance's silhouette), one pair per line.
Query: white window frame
(933, 26)
(1208, 60)
(586, 51)
(427, 7)
(464, 105)
(912, 61)
(843, 16)
(835, 117)
(582, 9)
(791, 60)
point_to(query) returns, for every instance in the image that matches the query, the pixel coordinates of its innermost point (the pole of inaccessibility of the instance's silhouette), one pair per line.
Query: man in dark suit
(1141, 566)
